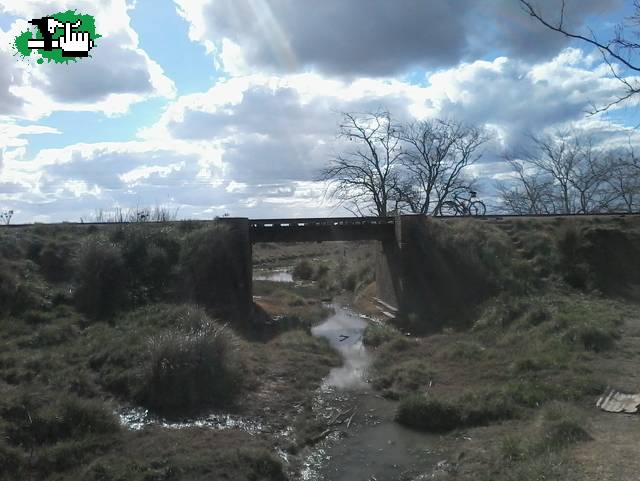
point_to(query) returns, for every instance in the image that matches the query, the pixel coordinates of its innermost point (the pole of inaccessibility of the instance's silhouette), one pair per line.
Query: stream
(371, 446)
(374, 446)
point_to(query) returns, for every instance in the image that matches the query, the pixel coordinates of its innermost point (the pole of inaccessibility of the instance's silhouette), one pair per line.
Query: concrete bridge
(394, 267)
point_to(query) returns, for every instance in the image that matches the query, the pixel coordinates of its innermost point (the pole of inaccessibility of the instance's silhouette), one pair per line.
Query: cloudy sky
(231, 106)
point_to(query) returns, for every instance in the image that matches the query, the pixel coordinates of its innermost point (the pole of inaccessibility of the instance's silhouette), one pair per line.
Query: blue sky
(213, 107)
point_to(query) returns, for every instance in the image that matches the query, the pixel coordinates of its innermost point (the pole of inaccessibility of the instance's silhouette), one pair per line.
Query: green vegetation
(96, 318)
(527, 358)
(437, 415)
(212, 268)
(376, 334)
(537, 451)
(303, 271)
(102, 278)
(191, 367)
(331, 268)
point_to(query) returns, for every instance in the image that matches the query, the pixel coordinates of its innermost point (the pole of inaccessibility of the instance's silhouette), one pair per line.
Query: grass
(292, 305)
(66, 365)
(191, 367)
(336, 267)
(376, 334)
(518, 365)
(521, 355)
(435, 414)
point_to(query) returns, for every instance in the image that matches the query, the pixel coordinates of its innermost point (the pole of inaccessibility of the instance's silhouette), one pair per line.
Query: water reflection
(373, 446)
(274, 276)
(138, 418)
(344, 330)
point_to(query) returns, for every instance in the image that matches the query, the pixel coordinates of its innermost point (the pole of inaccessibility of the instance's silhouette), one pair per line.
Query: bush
(15, 296)
(55, 262)
(377, 334)
(592, 338)
(562, 426)
(303, 271)
(420, 412)
(404, 377)
(11, 460)
(102, 279)
(190, 368)
(259, 461)
(149, 256)
(438, 415)
(68, 417)
(213, 268)
(575, 270)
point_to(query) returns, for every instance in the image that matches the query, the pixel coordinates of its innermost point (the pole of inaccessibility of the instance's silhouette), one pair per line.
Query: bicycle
(463, 206)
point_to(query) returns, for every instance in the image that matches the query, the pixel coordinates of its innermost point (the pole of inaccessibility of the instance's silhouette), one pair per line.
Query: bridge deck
(322, 229)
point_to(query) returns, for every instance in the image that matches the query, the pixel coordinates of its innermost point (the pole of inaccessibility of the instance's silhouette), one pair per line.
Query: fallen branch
(351, 418)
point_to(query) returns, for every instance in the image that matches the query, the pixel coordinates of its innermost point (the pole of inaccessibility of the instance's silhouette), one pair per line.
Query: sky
(213, 107)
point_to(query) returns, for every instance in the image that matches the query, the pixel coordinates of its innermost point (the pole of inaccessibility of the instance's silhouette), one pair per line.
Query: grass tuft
(191, 367)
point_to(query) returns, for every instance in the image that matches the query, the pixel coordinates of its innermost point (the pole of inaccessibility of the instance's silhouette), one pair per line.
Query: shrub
(102, 279)
(68, 417)
(55, 262)
(149, 256)
(15, 296)
(404, 377)
(321, 272)
(190, 368)
(213, 268)
(303, 271)
(438, 415)
(349, 282)
(463, 351)
(562, 426)
(592, 338)
(377, 334)
(259, 461)
(575, 270)
(11, 460)
(420, 412)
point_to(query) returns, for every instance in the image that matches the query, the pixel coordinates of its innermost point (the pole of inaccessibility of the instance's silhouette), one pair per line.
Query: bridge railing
(320, 221)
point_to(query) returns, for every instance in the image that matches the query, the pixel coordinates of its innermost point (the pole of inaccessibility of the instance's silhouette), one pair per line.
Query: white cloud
(253, 145)
(117, 74)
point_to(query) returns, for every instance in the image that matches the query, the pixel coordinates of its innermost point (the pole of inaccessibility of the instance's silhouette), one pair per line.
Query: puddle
(139, 418)
(374, 446)
(278, 275)
(344, 331)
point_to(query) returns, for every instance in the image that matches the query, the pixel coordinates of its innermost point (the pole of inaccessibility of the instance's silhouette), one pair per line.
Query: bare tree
(435, 154)
(624, 181)
(566, 173)
(365, 179)
(528, 191)
(620, 49)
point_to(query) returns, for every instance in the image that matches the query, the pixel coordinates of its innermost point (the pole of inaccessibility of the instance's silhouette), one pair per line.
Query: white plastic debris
(617, 402)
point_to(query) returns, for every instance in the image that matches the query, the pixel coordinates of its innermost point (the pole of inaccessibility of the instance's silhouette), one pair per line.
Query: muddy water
(373, 447)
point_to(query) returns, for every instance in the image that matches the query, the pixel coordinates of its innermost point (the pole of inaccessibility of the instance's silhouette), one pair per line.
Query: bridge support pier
(241, 231)
(397, 274)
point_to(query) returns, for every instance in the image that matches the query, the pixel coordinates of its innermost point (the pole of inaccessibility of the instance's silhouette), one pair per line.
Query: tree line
(422, 166)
